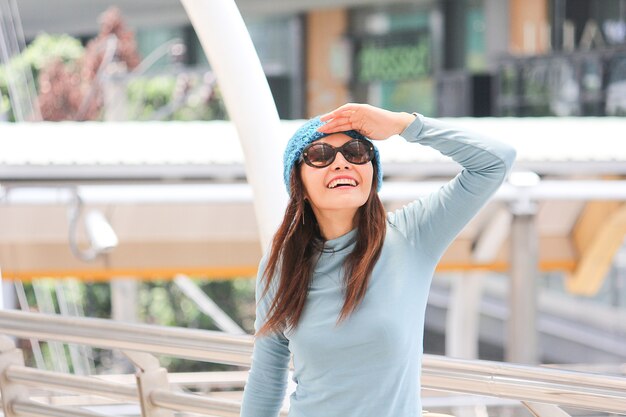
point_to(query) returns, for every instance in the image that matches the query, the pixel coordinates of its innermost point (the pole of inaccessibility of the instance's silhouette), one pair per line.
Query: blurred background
(123, 191)
(447, 58)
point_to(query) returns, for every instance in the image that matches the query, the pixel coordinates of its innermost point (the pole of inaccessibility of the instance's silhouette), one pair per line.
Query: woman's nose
(340, 161)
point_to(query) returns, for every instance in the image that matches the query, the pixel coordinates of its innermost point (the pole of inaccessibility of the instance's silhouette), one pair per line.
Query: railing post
(544, 410)
(10, 355)
(150, 376)
(522, 341)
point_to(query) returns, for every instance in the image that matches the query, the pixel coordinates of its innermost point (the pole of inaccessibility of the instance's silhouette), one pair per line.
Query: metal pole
(43, 297)
(204, 345)
(521, 346)
(540, 385)
(124, 302)
(463, 317)
(207, 305)
(150, 377)
(79, 354)
(11, 391)
(198, 404)
(31, 377)
(227, 44)
(29, 408)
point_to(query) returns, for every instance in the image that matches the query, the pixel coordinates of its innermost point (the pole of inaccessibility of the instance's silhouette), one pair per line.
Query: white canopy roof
(166, 150)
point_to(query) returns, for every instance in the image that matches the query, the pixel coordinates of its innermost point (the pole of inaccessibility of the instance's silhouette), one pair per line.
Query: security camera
(101, 236)
(100, 233)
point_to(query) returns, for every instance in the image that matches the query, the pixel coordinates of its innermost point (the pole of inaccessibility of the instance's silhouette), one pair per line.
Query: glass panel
(549, 88)
(410, 94)
(534, 76)
(563, 88)
(388, 19)
(591, 88)
(509, 79)
(149, 40)
(274, 43)
(616, 88)
(475, 59)
(591, 75)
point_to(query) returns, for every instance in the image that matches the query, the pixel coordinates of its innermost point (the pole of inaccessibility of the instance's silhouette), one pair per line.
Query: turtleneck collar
(340, 243)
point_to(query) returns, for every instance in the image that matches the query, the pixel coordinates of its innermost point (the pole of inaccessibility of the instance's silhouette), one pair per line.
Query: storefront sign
(393, 57)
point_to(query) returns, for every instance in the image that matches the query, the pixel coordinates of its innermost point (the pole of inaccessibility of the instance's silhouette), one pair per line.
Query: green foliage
(5, 105)
(47, 47)
(174, 97)
(97, 299)
(185, 96)
(41, 51)
(148, 94)
(160, 302)
(33, 58)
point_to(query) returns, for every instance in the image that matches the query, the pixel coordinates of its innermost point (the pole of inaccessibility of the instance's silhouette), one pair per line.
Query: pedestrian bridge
(447, 382)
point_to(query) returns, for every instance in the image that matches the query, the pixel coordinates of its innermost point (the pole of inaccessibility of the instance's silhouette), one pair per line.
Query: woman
(344, 285)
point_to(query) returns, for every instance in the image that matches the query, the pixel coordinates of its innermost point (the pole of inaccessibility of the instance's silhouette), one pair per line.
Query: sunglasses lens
(358, 152)
(320, 154)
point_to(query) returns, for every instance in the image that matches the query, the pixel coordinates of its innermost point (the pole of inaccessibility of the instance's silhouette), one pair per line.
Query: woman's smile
(342, 181)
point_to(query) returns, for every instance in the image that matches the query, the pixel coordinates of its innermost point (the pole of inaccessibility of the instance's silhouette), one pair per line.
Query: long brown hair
(297, 244)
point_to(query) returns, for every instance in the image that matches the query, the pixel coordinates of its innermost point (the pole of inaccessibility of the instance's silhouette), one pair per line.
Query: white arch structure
(247, 96)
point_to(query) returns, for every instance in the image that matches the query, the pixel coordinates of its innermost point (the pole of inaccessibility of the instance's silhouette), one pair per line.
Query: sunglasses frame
(336, 150)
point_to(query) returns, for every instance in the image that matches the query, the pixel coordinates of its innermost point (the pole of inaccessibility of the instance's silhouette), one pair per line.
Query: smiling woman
(337, 190)
(344, 285)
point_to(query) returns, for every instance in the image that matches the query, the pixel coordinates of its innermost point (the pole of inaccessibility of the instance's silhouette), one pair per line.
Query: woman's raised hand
(372, 122)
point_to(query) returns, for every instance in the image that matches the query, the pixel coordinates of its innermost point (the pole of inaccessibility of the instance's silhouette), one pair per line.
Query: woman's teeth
(342, 181)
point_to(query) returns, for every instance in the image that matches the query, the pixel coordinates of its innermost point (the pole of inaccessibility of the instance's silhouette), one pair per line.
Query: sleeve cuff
(412, 131)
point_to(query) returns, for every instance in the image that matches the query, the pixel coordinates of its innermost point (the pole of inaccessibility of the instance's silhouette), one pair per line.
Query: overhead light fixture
(102, 237)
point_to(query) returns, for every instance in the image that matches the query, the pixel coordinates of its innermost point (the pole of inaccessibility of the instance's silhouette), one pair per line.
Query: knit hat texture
(308, 133)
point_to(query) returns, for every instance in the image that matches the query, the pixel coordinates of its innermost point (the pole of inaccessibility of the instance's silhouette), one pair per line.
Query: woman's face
(318, 181)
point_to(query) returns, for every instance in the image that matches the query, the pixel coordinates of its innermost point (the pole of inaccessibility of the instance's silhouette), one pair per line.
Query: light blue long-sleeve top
(370, 365)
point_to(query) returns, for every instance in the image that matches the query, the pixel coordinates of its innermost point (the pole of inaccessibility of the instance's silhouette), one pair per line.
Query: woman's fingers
(337, 115)
(337, 120)
(345, 117)
(372, 122)
(336, 128)
(345, 109)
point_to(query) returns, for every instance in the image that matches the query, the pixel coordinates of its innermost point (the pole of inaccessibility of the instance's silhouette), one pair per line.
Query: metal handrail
(177, 401)
(203, 345)
(72, 383)
(518, 382)
(196, 404)
(29, 408)
(526, 383)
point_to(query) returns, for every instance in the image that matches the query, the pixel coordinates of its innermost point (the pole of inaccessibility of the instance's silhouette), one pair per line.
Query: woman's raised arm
(432, 222)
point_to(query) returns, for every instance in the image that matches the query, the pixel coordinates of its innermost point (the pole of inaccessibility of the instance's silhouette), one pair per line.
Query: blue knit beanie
(308, 133)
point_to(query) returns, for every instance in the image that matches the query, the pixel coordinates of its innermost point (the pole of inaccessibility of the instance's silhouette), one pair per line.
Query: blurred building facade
(441, 57)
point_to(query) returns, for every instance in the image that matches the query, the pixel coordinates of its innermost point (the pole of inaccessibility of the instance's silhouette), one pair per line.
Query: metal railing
(537, 388)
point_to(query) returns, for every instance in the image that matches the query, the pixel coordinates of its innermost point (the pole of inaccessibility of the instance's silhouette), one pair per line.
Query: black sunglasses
(320, 154)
